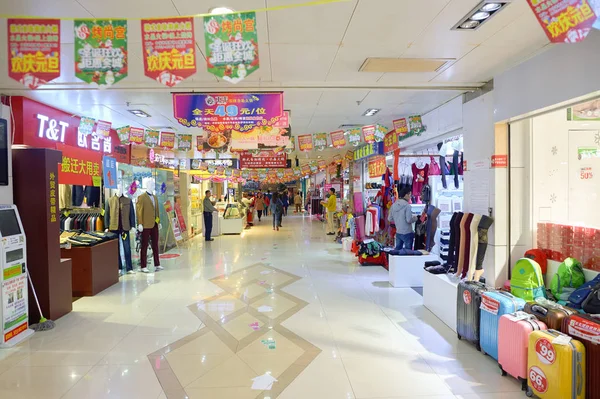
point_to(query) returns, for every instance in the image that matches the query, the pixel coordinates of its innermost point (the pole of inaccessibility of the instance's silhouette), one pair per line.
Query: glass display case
(234, 218)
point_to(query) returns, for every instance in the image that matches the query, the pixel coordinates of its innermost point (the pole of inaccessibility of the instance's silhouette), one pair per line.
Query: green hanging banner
(151, 138)
(231, 45)
(101, 50)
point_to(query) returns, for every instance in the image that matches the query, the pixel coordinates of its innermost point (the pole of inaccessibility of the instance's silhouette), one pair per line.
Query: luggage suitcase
(550, 313)
(378, 260)
(513, 340)
(495, 304)
(555, 371)
(467, 310)
(586, 328)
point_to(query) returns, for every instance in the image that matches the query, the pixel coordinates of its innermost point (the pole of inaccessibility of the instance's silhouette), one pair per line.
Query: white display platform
(439, 296)
(232, 226)
(407, 271)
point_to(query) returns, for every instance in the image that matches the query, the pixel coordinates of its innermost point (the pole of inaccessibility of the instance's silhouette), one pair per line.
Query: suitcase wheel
(482, 351)
(501, 369)
(529, 392)
(523, 384)
(478, 347)
(459, 336)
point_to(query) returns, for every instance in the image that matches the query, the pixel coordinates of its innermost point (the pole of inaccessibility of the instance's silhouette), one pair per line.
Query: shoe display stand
(94, 268)
(439, 296)
(407, 271)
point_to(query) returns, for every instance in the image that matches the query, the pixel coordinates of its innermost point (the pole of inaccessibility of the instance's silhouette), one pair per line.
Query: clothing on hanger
(420, 177)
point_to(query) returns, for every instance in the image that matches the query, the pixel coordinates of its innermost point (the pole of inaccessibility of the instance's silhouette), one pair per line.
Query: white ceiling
(313, 54)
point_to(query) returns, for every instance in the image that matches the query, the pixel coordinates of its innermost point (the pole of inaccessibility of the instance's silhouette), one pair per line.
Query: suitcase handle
(539, 309)
(508, 294)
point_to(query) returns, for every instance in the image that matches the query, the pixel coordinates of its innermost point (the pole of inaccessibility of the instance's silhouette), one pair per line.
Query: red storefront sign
(377, 166)
(33, 51)
(401, 127)
(248, 161)
(180, 218)
(390, 142)
(499, 161)
(79, 166)
(169, 49)
(564, 21)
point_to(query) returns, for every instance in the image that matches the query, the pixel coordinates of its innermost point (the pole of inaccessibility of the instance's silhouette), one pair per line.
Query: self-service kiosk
(14, 313)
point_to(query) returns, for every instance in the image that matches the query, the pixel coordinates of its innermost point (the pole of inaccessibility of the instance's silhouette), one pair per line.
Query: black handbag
(592, 303)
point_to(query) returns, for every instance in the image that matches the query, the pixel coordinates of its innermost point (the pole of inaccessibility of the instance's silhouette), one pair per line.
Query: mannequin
(120, 219)
(474, 246)
(149, 223)
(454, 246)
(465, 243)
(432, 215)
(484, 225)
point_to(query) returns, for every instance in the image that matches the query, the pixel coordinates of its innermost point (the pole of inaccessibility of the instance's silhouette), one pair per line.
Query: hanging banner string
(274, 8)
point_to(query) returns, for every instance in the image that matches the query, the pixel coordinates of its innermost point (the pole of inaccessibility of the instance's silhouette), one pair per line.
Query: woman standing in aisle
(259, 204)
(276, 210)
(285, 200)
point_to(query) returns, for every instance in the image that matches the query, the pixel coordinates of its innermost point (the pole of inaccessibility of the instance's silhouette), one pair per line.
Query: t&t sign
(51, 128)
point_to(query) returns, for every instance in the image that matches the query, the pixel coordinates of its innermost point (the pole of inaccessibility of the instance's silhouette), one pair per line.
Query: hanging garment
(474, 246)
(432, 215)
(146, 211)
(434, 168)
(466, 231)
(65, 196)
(92, 196)
(77, 195)
(484, 225)
(420, 233)
(456, 166)
(420, 178)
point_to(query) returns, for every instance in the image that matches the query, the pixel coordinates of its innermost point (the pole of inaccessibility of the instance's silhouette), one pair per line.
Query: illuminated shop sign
(47, 127)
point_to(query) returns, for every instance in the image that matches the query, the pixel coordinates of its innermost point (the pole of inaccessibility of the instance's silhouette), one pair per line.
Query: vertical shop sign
(136, 135)
(369, 133)
(168, 49)
(415, 125)
(231, 45)
(101, 50)
(86, 126)
(564, 21)
(123, 134)
(390, 142)
(109, 172)
(53, 186)
(338, 139)
(355, 136)
(320, 141)
(14, 305)
(499, 161)
(167, 140)
(179, 215)
(103, 129)
(33, 51)
(401, 127)
(305, 143)
(151, 138)
(184, 142)
(377, 166)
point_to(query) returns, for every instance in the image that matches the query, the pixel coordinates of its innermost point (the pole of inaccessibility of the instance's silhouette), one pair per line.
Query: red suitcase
(586, 328)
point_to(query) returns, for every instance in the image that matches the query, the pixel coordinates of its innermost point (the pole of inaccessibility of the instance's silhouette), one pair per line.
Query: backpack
(539, 256)
(591, 305)
(527, 281)
(579, 296)
(279, 207)
(568, 277)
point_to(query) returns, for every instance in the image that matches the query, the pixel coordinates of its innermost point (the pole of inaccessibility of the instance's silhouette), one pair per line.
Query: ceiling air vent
(406, 65)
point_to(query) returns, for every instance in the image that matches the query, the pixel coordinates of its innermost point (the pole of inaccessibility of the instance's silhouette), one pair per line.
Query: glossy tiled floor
(287, 306)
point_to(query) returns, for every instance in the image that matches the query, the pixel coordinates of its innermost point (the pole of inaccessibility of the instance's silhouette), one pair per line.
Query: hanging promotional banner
(369, 133)
(355, 136)
(184, 142)
(123, 133)
(314, 168)
(136, 135)
(401, 127)
(248, 161)
(167, 140)
(377, 167)
(305, 169)
(101, 50)
(109, 172)
(231, 45)
(337, 159)
(338, 139)
(169, 49)
(103, 128)
(284, 121)
(86, 125)
(200, 143)
(320, 141)
(415, 125)
(79, 167)
(305, 142)
(380, 132)
(349, 156)
(564, 21)
(291, 147)
(33, 51)
(390, 142)
(217, 142)
(322, 164)
(298, 172)
(218, 112)
(151, 138)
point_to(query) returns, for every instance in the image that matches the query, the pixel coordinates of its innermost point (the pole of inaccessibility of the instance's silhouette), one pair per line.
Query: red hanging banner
(136, 135)
(167, 140)
(338, 139)
(369, 133)
(564, 21)
(33, 51)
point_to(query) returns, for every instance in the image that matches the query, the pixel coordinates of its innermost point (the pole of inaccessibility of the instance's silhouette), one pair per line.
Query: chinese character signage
(123, 134)
(369, 133)
(320, 141)
(305, 142)
(231, 45)
(33, 51)
(390, 142)
(322, 164)
(78, 166)
(349, 156)
(184, 142)
(380, 132)
(377, 166)
(103, 128)
(54, 205)
(217, 112)
(368, 150)
(109, 172)
(338, 139)
(86, 125)
(169, 49)
(284, 121)
(355, 136)
(248, 161)
(101, 50)
(136, 135)
(564, 21)
(167, 140)
(305, 169)
(401, 127)
(151, 138)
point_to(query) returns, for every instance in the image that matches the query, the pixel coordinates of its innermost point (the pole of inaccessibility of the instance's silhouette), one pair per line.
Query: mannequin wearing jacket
(120, 219)
(146, 210)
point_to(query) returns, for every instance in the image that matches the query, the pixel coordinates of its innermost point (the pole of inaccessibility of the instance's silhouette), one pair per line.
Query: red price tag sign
(586, 173)
(545, 351)
(538, 380)
(467, 296)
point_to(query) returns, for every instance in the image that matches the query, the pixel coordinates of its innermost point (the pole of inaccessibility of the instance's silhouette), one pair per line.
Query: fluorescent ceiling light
(480, 14)
(371, 111)
(139, 113)
(220, 10)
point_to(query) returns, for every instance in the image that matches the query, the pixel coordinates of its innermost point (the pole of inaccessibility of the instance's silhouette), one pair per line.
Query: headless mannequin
(465, 244)
(474, 246)
(120, 219)
(484, 225)
(148, 224)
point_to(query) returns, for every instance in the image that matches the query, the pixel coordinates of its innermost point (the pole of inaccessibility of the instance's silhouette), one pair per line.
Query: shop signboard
(179, 214)
(169, 49)
(103, 128)
(231, 45)
(217, 112)
(33, 51)
(101, 50)
(184, 142)
(349, 156)
(123, 134)
(355, 136)
(176, 229)
(369, 133)
(320, 141)
(499, 161)
(229, 163)
(120, 152)
(78, 167)
(86, 125)
(136, 135)
(338, 139)
(368, 150)
(564, 21)
(109, 172)
(305, 169)
(284, 121)
(14, 294)
(337, 159)
(377, 166)
(390, 142)
(167, 140)
(401, 127)
(151, 138)
(248, 161)
(305, 143)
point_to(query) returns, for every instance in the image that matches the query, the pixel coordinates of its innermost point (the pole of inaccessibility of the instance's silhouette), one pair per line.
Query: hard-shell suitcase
(550, 313)
(555, 371)
(586, 328)
(467, 310)
(494, 304)
(513, 340)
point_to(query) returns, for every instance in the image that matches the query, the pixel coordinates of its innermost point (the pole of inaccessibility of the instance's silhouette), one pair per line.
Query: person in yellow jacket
(330, 205)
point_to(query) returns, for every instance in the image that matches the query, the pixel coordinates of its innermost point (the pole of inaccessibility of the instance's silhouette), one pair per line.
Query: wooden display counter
(94, 268)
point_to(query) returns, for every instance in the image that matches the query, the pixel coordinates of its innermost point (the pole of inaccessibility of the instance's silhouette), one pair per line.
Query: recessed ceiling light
(469, 24)
(221, 10)
(489, 7)
(371, 111)
(480, 16)
(139, 113)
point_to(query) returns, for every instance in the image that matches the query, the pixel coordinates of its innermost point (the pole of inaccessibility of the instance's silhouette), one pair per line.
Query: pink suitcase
(513, 342)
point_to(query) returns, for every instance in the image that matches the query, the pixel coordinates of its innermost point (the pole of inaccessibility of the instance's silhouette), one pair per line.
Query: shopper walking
(298, 202)
(267, 204)
(401, 215)
(285, 200)
(209, 208)
(259, 204)
(331, 206)
(276, 210)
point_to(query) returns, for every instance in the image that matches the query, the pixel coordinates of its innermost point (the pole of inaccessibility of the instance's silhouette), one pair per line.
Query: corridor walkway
(266, 315)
